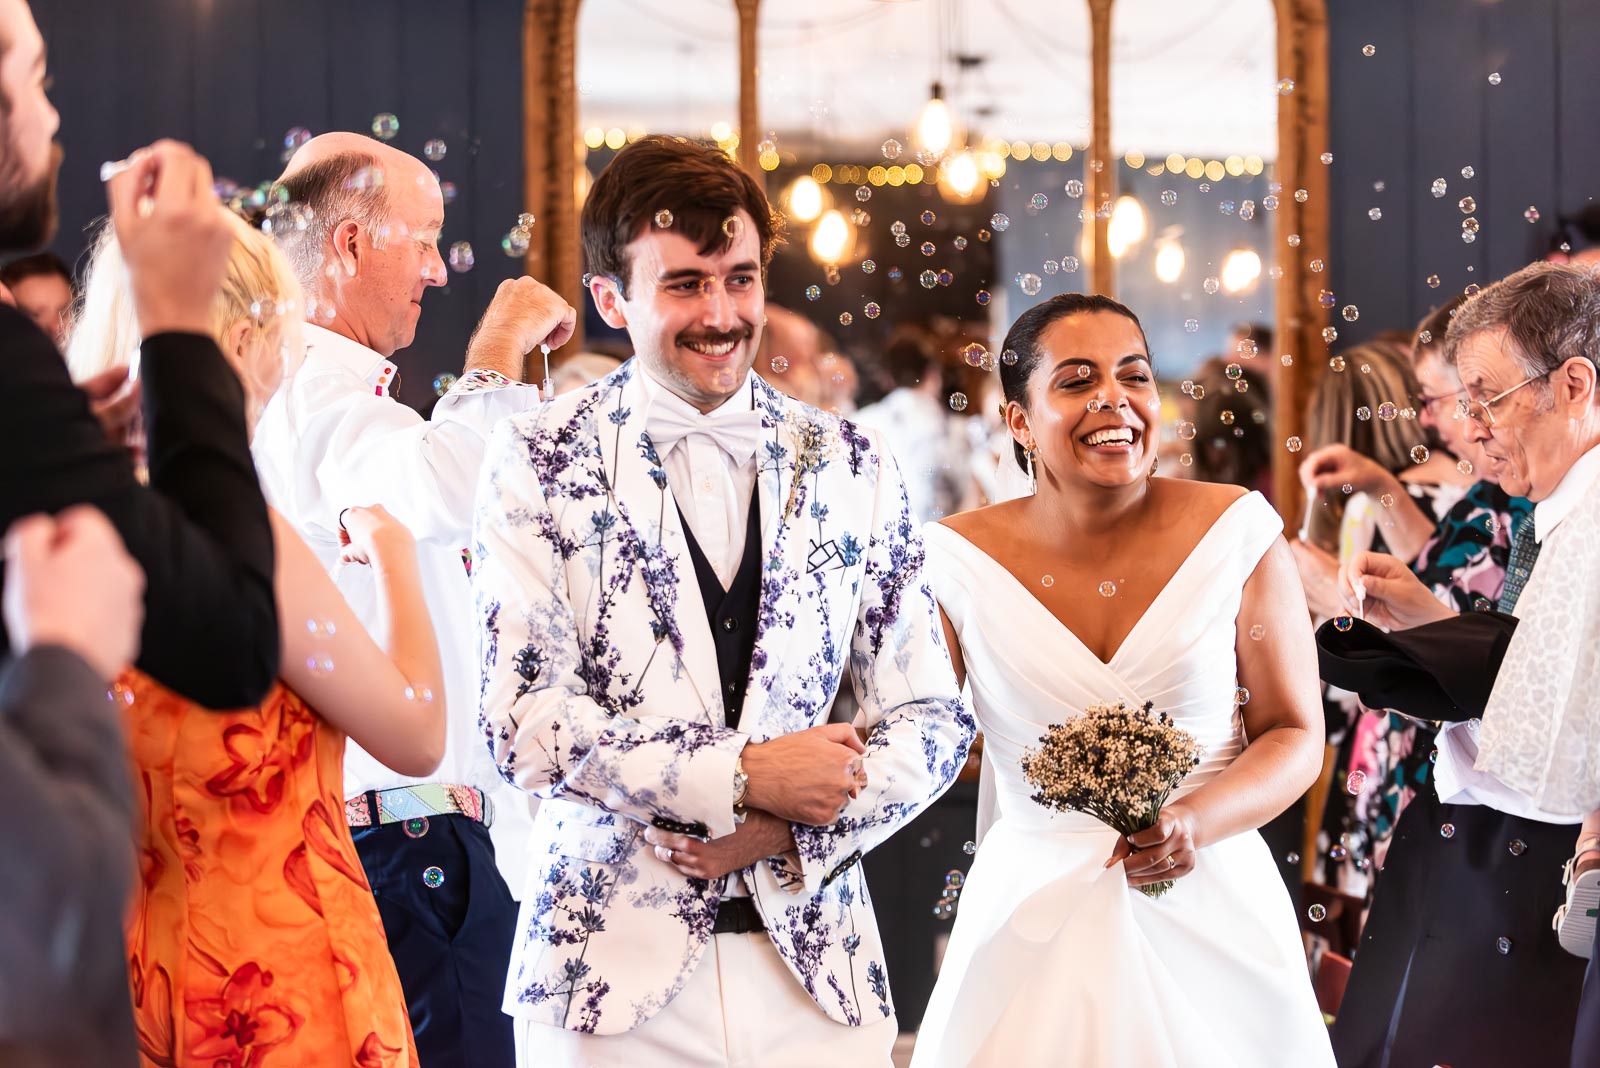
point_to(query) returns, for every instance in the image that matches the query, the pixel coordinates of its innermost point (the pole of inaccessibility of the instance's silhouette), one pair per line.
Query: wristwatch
(741, 787)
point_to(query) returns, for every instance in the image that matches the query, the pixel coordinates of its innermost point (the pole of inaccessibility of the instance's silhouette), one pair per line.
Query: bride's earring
(1153, 465)
(1033, 481)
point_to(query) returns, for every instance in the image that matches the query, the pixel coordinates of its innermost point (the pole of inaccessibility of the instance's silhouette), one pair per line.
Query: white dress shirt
(1457, 779)
(333, 438)
(710, 488)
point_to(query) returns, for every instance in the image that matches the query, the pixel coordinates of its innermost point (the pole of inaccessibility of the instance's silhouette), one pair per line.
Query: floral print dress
(253, 938)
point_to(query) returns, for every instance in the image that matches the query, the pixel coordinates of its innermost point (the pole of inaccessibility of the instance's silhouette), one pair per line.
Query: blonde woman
(253, 929)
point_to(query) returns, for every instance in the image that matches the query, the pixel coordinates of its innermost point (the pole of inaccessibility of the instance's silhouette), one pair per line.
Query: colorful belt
(405, 803)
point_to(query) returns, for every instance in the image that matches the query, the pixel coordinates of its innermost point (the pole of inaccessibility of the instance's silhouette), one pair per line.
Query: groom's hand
(806, 777)
(762, 835)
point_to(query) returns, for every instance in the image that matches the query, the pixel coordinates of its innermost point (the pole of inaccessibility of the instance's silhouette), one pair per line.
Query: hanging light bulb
(831, 238)
(805, 199)
(1240, 269)
(1127, 226)
(935, 128)
(959, 179)
(1169, 261)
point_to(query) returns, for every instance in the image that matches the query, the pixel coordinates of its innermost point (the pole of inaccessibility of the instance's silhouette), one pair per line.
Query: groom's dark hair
(691, 187)
(1023, 339)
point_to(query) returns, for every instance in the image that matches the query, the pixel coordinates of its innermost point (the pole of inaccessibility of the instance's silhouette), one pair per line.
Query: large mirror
(647, 67)
(1194, 108)
(925, 156)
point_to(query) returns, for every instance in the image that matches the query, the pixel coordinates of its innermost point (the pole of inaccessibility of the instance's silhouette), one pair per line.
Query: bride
(1108, 583)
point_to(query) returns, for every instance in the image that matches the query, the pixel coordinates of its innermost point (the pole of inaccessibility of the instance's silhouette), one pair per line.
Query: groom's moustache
(742, 334)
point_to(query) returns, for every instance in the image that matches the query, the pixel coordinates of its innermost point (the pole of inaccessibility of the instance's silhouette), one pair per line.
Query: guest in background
(200, 532)
(916, 423)
(253, 930)
(791, 348)
(41, 285)
(73, 607)
(1400, 482)
(1458, 963)
(1233, 442)
(335, 438)
(579, 369)
(1463, 563)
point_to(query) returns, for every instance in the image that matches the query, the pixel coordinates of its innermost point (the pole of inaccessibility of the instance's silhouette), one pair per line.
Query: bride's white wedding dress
(1054, 959)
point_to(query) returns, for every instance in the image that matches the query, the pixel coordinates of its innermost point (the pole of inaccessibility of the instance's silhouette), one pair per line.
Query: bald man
(366, 256)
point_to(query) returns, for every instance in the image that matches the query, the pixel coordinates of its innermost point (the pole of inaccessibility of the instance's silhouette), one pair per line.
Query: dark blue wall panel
(233, 76)
(1423, 108)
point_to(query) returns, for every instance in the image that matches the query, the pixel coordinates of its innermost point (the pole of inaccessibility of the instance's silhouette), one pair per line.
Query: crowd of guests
(278, 681)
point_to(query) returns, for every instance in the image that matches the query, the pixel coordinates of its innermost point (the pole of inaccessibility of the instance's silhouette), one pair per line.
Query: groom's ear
(608, 301)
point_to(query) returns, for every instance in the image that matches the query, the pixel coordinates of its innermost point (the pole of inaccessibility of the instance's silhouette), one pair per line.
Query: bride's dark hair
(1023, 339)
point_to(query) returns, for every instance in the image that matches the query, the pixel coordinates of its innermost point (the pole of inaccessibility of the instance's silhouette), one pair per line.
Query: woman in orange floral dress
(253, 938)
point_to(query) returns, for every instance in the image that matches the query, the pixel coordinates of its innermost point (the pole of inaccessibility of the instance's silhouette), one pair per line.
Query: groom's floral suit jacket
(600, 694)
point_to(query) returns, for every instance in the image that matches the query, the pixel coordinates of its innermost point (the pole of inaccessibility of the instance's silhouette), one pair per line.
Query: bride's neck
(1091, 511)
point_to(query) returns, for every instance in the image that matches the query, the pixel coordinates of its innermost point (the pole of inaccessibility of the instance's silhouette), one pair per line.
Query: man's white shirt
(333, 438)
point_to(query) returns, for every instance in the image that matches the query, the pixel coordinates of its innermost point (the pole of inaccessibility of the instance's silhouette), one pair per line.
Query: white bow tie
(736, 432)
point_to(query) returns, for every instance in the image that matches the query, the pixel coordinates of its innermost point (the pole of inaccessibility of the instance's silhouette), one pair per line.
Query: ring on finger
(1172, 862)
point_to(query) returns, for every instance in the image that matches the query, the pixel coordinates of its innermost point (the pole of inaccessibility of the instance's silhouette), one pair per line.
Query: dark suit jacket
(199, 531)
(67, 800)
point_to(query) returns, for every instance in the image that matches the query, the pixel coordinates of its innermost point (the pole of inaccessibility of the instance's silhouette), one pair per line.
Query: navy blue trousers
(451, 942)
(1586, 1042)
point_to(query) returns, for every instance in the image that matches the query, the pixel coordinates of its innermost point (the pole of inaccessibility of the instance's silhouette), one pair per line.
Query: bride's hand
(1165, 851)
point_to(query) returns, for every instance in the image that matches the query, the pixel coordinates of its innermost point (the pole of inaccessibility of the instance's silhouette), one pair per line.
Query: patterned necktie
(1524, 551)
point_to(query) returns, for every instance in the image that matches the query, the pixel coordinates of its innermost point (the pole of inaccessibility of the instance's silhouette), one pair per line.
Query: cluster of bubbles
(945, 907)
(520, 236)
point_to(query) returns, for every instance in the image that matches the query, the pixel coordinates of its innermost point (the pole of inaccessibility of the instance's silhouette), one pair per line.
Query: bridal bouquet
(1115, 763)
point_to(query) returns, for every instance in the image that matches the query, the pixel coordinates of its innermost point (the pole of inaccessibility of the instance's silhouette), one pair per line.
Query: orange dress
(253, 938)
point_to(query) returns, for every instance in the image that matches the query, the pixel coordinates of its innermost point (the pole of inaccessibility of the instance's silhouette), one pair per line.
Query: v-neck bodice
(1027, 669)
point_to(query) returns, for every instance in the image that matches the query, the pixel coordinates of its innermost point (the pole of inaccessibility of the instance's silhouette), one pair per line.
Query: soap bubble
(1439, 188)
(1186, 430)
(1494, 78)
(385, 126)
(891, 149)
(1419, 454)
(958, 402)
(1191, 325)
(1293, 444)
(1031, 284)
(1000, 221)
(1038, 202)
(1355, 781)
(1074, 189)
(1169, 197)
(1447, 830)
(1317, 913)
(780, 364)
(664, 218)
(1257, 632)
(461, 257)
(1108, 588)
(434, 150)
(1532, 214)
(1342, 624)
(813, 292)
(1350, 312)
(1374, 213)
(1369, 50)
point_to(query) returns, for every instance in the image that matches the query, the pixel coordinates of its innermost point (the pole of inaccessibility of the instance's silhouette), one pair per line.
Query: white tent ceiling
(1197, 77)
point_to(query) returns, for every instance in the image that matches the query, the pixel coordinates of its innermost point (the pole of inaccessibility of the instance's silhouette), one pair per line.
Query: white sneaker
(1575, 921)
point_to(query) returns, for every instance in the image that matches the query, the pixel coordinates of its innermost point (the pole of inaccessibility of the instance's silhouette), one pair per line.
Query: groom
(672, 567)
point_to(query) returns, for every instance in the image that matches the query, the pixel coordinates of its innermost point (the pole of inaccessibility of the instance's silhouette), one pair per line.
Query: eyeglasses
(1426, 403)
(1482, 412)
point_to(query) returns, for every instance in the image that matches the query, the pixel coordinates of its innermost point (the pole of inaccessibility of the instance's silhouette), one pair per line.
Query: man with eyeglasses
(1459, 963)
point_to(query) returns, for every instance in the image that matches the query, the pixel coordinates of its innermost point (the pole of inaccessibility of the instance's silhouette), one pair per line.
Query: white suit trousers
(742, 1008)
